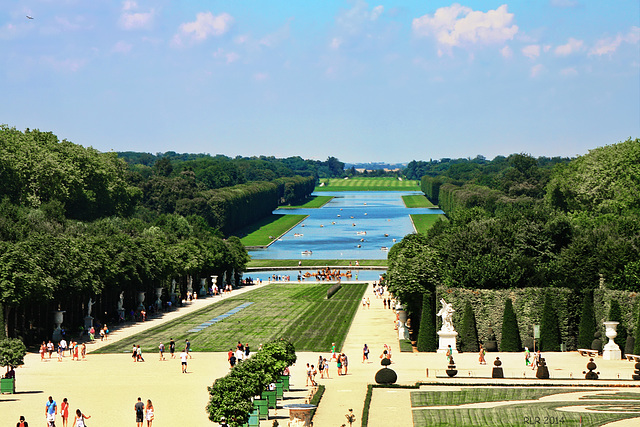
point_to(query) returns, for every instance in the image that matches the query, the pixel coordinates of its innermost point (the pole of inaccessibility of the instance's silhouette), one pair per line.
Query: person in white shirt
(183, 359)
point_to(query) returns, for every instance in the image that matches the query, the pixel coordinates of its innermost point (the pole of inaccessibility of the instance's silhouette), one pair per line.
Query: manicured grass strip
(613, 396)
(417, 201)
(220, 317)
(368, 184)
(534, 413)
(405, 346)
(263, 232)
(423, 222)
(265, 263)
(298, 312)
(479, 394)
(311, 203)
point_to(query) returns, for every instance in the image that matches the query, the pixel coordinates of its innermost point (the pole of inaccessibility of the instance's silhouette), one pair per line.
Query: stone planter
(141, 300)
(7, 385)
(611, 350)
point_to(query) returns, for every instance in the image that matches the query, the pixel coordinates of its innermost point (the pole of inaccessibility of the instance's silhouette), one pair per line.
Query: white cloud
(458, 25)
(532, 51)
(506, 52)
(232, 57)
(260, 77)
(122, 47)
(277, 37)
(572, 46)
(376, 12)
(609, 45)
(569, 72)
(131, 20)
(536, 70)
(335, 43)
(206, 24)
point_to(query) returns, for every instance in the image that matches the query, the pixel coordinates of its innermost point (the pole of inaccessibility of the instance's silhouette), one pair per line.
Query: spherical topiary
(385, 362)
(386, 376)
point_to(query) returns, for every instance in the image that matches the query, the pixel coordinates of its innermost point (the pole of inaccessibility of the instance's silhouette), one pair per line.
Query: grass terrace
(423, 222)
(312, 202)
(417, 201)
(368, 184)
(265, 231)
(299, 312)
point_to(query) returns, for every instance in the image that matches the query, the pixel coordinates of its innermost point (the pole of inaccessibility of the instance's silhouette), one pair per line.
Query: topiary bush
(549, 331)
(587, 326)
(427, 333)
(386, 376)
(636, 344)
(333, 289)
(12, 352)
(510, 334)
(468, 330)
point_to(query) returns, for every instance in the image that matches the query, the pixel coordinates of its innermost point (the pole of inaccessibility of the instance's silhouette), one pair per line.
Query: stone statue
(446, 312)
(90, 307)
(121, 301)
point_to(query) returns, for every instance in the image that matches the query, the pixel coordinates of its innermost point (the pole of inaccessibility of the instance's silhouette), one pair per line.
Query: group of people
(51, 411)
(322, 367)
(241, 352)
(76, 350)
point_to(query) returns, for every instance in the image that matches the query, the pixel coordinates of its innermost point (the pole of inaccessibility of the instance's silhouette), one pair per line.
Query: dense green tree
(510, 340)
(12, 352)
(469, 330)
(636, 344)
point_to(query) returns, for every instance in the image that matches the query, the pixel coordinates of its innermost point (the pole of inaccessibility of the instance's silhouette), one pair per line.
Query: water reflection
(353, 225)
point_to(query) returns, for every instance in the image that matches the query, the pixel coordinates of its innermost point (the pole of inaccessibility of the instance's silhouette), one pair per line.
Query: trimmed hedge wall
(488, 306)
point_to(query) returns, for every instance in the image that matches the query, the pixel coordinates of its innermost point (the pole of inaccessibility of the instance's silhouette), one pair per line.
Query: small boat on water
(384, 248)
(362, 240)
(298, 234)
(361, 233)
(354, 224)
(394, 240)
(351, 217)
(333, 222)
(359, 246)
(338, 215)
(307, 252)
(386, 235)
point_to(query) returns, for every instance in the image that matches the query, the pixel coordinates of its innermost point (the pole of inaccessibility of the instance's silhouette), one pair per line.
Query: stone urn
(543, 370)
(203, 287)
(611, 350)
(497, 369)
(141, 300)
(58, 317)
(636, 373)
(159, 298)
(451, 368)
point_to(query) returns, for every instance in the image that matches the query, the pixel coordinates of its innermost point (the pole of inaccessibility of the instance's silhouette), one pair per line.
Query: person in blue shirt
(51, 410)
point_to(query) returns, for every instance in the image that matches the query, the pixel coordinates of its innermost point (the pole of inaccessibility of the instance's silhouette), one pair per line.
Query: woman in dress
(365, 353)
(78, 421)
(64, 412)
(149, 415)
(481, 356)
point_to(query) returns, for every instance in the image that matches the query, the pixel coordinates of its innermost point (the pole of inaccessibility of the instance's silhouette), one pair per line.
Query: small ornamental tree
(615, 315)
(587, 326)
(510, 333)
(550, 332)
(469, 330)
(12, 352)
(427, 333)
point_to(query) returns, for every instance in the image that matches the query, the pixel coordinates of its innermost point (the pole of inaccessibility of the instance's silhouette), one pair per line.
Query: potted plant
(12, 352)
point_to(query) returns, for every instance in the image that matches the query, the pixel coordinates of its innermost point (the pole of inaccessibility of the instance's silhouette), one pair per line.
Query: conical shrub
(427, 334)
(550, 332)
(587, 326)
(469, 330)
(510, 333)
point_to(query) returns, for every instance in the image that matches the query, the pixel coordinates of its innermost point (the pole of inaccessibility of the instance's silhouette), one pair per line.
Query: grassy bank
(264, 263)
(312, 202)
(296, 311)
(423, 222)
(266, 230)
(417, 201)
(367, 184)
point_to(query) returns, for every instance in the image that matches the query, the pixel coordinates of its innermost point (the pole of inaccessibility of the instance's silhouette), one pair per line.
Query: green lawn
(516, 414)
(368, 184)
(417, 201)
(297, 311)
(534, 413)
(263, 232)
(263, 263)
(313, 202)
(423, 222)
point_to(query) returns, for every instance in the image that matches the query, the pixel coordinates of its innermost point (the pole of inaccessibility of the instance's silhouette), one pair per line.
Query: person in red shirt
(64, 412)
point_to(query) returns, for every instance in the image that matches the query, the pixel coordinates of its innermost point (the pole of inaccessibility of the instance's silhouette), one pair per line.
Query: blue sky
(363, 81)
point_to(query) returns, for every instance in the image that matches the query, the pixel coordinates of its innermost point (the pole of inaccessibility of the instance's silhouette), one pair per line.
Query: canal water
(354, 225)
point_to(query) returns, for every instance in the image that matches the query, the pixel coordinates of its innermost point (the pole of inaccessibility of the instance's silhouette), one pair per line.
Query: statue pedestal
(403, 332)
(447, 338)
(88, 323)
